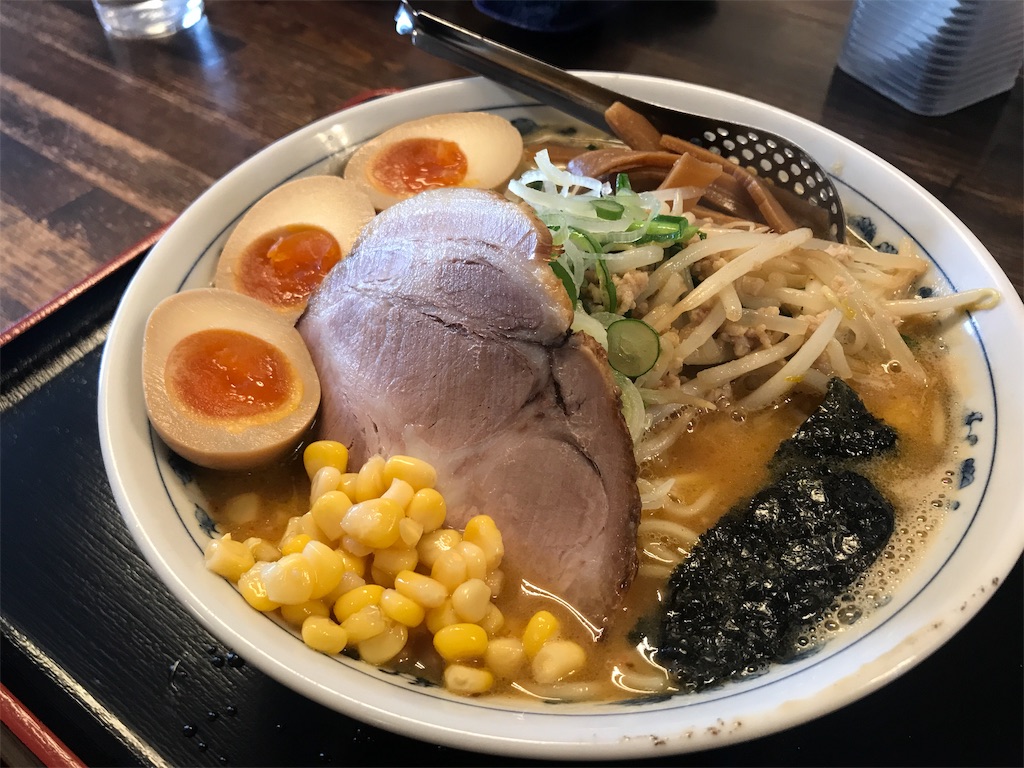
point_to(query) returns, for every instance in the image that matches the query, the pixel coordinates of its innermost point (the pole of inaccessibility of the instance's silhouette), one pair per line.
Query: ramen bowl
(975, 547)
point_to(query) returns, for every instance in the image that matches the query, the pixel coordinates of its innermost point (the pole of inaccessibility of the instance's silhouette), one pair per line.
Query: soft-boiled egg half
(287, 242)
(228, 383)
(464, 149)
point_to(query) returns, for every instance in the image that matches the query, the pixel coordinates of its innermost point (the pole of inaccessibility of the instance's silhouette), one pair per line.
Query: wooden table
(105, 141)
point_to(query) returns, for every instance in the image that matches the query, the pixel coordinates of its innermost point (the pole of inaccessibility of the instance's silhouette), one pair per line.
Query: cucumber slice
(633, 347)
(604, 279)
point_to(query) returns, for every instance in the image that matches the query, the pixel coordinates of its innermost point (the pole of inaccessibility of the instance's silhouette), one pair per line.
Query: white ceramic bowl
(975, 547)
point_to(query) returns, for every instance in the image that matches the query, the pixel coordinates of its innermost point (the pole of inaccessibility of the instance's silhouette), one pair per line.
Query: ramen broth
(720, 453)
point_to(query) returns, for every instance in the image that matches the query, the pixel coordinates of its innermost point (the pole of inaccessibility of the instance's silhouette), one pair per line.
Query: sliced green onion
(566, 278)
(622, 183)
(633, 347)
(604, 279)
(668, 229)
(689, 231)
(584, 241)
(607, 209)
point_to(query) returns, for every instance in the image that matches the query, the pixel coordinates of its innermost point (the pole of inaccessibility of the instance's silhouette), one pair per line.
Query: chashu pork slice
(445, 335)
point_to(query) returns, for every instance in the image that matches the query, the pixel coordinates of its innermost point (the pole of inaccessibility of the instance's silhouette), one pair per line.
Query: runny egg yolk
(412, 165)
(230, 375)
(284, 266)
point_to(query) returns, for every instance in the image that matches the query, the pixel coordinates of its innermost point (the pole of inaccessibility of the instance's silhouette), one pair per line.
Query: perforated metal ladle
(808, 193)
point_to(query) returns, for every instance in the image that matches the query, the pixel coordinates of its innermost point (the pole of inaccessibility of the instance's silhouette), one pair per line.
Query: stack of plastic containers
(934, 57)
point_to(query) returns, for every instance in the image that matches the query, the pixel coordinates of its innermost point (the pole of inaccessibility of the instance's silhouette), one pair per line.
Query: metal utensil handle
(549, 85)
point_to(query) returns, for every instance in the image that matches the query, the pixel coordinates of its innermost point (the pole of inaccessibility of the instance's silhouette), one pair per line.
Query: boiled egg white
(464, 149)
(288, 241)
(228, 384)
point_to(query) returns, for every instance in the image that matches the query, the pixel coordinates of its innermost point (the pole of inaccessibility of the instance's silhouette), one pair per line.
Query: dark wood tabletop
(105, 141)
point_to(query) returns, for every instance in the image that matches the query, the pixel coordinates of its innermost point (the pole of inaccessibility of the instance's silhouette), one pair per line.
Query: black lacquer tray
(99, 651)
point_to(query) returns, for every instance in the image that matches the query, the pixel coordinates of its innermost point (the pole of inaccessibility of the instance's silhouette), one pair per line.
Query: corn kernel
(355, 548)
(476, 562)
(394, 559)
(373, 522)
(383, 647)
(382, 577)
(303, 525)
(400, 608)
(297, 614)
(399, 492)
(409, 531)
(254, 589)
(348, 484)
(505, 657)
(327, 566)
(289, 580)
(461, 641)
(324, 453)
(262, 550)
(328, 512)
(243, 508)
(495, 580)
(370, 483)
(228, 558)
(482, 531)
(322, 634)
(556, 660)
(295, 544)
(541, 628)
(426, 591)
(467, 681)
(347, 583)
(416, 472)
(308, 526)
(493, 621)
(363, 624)
(471, 600)
(442, 616)
(291, 529)
(449, 569)
(326, 479)
(427, 507)
(432, 544)
(357, 599)
(356, 565)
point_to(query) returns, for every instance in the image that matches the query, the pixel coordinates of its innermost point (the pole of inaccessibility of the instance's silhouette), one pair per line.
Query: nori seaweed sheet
(754, 580)
(840, 430)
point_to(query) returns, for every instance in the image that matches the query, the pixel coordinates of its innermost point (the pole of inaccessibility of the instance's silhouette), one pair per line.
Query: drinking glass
(141, 19)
